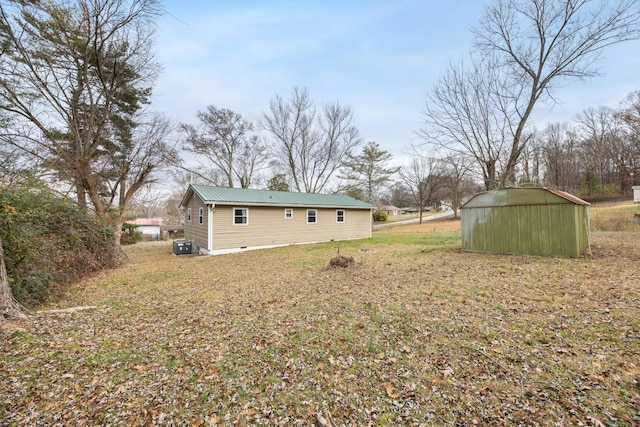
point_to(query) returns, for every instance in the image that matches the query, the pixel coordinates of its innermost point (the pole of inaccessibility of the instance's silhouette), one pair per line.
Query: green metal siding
(531, 221)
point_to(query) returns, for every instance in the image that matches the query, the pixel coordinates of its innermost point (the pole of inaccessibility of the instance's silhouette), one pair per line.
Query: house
(391, 210)
(149, 227)
(636, 193)
(224, 220)
(530, 221)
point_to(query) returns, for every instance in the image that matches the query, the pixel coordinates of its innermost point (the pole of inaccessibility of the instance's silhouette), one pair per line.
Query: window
(200, 215)
(240, 216)
(188, 214)
(340, 215)
(288, 213)
(312, 216)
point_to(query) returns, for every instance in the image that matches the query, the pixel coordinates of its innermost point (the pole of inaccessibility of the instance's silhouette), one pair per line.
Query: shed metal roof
(519, 196)
(225, 195)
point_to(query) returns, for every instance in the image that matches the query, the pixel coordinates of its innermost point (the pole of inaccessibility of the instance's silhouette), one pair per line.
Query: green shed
(526, 220)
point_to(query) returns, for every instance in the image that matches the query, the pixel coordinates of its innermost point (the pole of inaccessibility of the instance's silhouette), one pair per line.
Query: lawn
(416, 333)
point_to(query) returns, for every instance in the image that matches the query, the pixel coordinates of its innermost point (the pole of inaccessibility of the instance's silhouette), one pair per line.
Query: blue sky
(379, 57)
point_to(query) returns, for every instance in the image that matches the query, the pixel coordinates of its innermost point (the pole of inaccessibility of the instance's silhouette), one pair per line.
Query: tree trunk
(490, 180)
(8, 306)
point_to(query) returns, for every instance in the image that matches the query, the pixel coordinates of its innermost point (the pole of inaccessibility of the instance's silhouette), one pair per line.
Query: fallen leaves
(276, 338)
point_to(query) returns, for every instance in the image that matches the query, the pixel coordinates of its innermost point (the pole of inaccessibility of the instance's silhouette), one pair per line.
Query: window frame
(201, 215)
(344, 216)
(188, 214)
(290, 211)
(245, 216)
(315, 216)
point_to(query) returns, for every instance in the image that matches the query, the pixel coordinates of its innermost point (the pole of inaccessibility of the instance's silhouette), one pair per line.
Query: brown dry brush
(342, 261)
(51, 243)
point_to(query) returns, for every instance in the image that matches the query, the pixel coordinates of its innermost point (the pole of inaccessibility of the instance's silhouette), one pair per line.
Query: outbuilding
(149, 227)
(526, 220)
(224, 220)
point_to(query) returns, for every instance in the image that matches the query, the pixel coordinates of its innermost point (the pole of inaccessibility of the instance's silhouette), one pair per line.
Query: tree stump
(9, 308)
(342, 261)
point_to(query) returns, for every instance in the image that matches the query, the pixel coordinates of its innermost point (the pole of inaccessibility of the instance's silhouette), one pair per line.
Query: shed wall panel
(557, 222)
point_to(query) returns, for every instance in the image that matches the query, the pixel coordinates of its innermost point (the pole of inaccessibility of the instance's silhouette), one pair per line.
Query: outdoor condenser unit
(182, 247)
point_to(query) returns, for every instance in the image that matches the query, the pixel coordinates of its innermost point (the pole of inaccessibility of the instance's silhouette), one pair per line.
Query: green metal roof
(225, 195)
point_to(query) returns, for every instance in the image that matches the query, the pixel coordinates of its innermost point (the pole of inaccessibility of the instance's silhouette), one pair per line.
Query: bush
(48, 242)
(380, 216)
(130, 237)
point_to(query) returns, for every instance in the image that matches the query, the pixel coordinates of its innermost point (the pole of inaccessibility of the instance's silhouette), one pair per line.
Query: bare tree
(561, 156)
(424, 177)
(457, 184)
(466, 115)
(399, 195)
(628, 145)
(310, 146)
(533, 45)
(225, 138)
(74, 80)
(598, 132)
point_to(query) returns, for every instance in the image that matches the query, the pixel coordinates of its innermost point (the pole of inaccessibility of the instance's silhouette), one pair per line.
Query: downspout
(370, 222)
(211, 210)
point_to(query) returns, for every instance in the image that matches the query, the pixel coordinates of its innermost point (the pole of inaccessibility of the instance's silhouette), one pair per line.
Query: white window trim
(316, 216)
(285, 213)
(188, 214)
(344, 216)
(200, 215)
(233, 217)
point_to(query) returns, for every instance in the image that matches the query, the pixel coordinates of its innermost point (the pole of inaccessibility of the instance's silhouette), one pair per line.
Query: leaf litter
(408, 335)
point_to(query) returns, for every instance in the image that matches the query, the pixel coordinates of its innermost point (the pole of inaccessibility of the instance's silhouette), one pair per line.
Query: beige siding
(193, 230)
(268, 226)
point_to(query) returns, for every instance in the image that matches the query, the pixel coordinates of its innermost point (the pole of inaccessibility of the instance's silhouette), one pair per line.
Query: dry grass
(416, 333)
(616, 217)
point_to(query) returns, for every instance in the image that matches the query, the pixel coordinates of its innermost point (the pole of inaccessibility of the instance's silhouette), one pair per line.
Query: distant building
(149, 227)
(224, 220)
(391, 210)
(156, 229)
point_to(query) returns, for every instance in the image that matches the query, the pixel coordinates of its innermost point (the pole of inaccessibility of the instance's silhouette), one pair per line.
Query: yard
(416, 333)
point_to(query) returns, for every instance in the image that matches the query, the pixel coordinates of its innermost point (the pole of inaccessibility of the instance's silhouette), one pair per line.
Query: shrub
(130, 236)
(380, 216)
(48, 242)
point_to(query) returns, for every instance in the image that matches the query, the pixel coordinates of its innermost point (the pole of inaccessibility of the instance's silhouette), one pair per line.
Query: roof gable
(520, 196)
(244, 196)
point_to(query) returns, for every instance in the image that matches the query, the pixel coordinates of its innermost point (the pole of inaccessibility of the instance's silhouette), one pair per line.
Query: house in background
(224, 220)
(149, 227)
(527, 220)
(155, 228)
(636, 193)
(391, 210)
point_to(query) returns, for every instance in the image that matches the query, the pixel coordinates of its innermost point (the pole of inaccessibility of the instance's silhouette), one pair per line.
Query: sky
(381, 57)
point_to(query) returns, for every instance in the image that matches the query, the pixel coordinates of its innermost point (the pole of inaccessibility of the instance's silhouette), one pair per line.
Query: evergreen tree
(368, 171)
